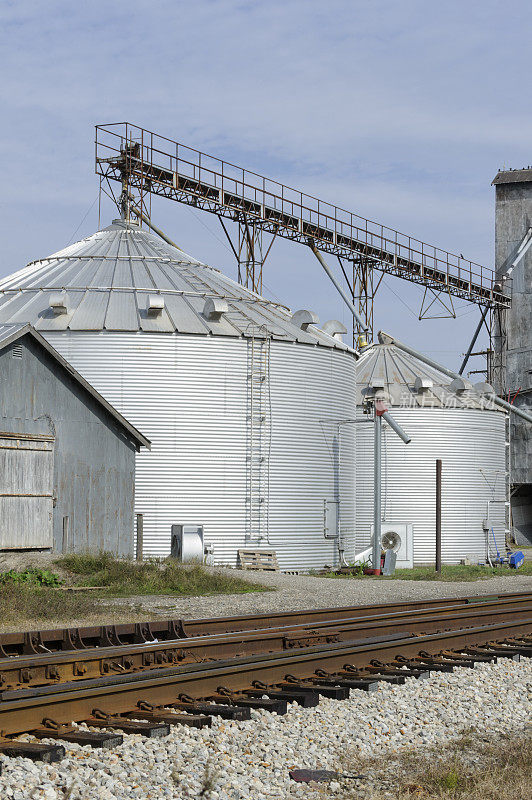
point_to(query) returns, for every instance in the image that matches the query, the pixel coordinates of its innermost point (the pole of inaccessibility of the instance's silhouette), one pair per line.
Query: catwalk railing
(148, 163)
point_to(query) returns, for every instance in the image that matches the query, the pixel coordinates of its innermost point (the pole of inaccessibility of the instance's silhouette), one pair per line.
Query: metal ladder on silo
(259, 437)
(196, 282)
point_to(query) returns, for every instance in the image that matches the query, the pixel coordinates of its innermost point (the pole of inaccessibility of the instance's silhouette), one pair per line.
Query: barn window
(17, 351)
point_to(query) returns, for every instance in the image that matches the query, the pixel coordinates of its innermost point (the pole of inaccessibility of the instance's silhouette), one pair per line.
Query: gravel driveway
(297, 592)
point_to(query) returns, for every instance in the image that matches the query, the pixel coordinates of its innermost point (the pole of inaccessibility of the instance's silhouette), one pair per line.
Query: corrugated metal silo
(249, 408)
(455, 423)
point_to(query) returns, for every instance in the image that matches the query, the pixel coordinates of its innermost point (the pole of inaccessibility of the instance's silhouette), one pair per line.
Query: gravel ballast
(299, 592)
(250, 760)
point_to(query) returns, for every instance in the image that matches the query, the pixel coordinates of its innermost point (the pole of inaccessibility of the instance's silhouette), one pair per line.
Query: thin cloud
(401, 112)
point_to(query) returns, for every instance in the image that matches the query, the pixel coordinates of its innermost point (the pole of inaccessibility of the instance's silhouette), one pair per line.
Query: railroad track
(147, 686)
(27, 642)
(50, 668)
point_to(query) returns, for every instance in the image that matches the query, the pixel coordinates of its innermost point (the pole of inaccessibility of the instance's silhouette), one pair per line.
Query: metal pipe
(376, 545)
(154, 228)
(343, 295)
(522, 250)
(380, 412)
(385, 338)
(396, 427)
(438, 515)
(473, 340)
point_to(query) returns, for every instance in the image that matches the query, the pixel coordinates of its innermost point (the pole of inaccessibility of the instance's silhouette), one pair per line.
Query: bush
(39, 577)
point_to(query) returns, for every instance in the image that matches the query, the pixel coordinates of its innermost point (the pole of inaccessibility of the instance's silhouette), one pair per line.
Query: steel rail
(69, 702)
(18, 643)
(78, 665)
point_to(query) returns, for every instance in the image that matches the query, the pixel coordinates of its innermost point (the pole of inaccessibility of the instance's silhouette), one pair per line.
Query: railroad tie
(36, 751)
(152, 730)
(425, 663)
(147, 711)
(315, 685)
(222, 710)
(376, 667)
(358, 680)
(498, 651)
(448, 658)
(167, 718)
(480, 657)
(226, 695)
(523, 646)
(68, 733)
(307, 698)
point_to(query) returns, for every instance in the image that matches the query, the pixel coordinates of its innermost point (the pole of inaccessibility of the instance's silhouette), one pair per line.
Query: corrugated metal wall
(472, 446)
(188, 394)
(313, 448)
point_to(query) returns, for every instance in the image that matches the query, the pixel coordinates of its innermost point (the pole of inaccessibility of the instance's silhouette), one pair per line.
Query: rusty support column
(140, 536)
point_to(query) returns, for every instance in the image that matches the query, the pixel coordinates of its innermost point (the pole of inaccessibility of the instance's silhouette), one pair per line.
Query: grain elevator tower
(511, 368)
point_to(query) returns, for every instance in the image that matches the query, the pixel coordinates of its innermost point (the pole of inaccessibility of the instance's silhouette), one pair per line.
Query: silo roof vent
(377, 383)
(408, 380)
(214, 308)
(111, 275)
(59, 303)
(303, 318)
(484, 388)
(334, 328)
(422, 384)
(155, 305)
(459, 385)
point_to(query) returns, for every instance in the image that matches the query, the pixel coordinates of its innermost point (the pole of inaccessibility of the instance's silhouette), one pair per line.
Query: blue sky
(399, 111)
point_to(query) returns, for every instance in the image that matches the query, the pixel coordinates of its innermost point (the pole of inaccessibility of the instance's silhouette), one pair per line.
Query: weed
(450, 573)
(471, 767)
(41, 577)
(126, 577)
(461, 572)
(22, 602)
(209, 780)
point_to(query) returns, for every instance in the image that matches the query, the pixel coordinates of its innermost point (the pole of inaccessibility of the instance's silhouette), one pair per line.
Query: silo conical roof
(407, 382)
(106, 282)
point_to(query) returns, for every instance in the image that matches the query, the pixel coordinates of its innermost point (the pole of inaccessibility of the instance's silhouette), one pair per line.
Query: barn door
(26, 491)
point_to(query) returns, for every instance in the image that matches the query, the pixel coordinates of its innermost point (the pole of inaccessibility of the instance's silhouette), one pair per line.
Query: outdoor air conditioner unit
(398, 537)
(187, 543)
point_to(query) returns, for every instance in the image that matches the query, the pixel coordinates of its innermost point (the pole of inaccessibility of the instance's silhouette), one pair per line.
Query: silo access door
(26, 491)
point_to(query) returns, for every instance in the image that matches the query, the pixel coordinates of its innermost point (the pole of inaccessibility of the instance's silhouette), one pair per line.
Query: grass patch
(30, 602)
(474, 767)
(460, 572)
(124, 578)
(450, 573)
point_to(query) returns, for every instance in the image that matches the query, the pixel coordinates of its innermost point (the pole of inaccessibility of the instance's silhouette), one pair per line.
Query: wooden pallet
(263, 560)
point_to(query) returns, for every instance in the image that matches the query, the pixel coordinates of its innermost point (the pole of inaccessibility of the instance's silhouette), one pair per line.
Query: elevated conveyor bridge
(149, 164)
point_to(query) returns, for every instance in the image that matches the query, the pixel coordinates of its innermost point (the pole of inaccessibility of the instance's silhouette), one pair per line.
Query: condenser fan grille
(391, 541)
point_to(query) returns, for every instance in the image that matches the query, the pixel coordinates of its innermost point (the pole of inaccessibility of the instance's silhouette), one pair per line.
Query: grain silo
(448, 420)
(249, 408)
